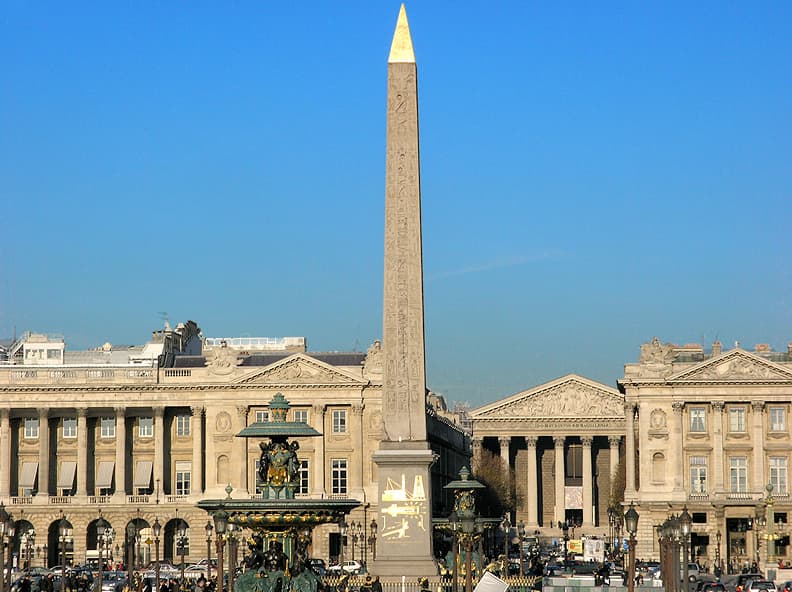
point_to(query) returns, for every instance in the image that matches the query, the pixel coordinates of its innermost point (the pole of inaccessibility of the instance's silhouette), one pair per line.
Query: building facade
(705, 430)
(712, 431)
(144, 433)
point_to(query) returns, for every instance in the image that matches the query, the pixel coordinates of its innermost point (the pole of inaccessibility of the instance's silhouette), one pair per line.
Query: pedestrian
(376, 586)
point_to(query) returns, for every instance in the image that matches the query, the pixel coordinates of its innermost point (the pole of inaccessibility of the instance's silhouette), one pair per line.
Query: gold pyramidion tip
(402, 47)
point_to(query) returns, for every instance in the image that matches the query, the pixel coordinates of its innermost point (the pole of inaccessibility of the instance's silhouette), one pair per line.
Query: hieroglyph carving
(565, 400)
(404, 380)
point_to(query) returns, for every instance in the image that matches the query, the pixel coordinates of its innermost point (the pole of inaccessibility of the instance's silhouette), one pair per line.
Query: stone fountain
(281, 524)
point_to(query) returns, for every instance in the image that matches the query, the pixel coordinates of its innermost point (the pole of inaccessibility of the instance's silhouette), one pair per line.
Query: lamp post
(506, 527)
(353, 529)
(157, 528)
(4, 518)
(373, 538)
(220, 523)
(181, 543)
(9, 532)
(208, 528)
(62, 529)
(770, 521)
(631, 524)
(342, 528)
(565, 533)
(521, 538)
(465, 522)
(685, 521)
(100, 532)
(45, 555)
(131, 534)
(232, 547)
(718, 569)
(453, 520)
(30, 544)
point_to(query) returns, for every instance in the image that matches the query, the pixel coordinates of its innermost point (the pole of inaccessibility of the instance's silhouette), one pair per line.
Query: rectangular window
(303, 478)
(697, 419)
(183, 477)
(301, 415)
(107, 427)
(31, 427)
(777, 419)
(339, 421)
(738, 474)
(146, 427)
(737, 419)
(69, 427)
(698, 474)
(262, 416)
(339, 476)
(778, 474)
(53, 354)
(182, 425)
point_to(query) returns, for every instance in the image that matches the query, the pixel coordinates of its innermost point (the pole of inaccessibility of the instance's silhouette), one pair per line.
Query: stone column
(717, 448)
(676, 447)
(44, 453)
(757, 408)
(531, 482)
(5, 452)
(120, 459)
(476, 444)
(504, 442)
(82, 452)
(241, 447)
(560, 499)
(197, 456)
(159, 449)
(629, 450)
(356, 482)
(318, 485)
(588, 482)
(614, 441)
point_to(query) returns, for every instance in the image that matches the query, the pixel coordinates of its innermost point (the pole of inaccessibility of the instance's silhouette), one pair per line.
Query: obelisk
(404, 457)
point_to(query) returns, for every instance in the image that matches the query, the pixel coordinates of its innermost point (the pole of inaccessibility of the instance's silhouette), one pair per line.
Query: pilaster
(531, 482)
(120, 459)
(318, 486)
(757, 412)
(44, 453)
(241, 449)
(588, 482)
(82, 452)
(159, 448)
(717, 445)
(196, 430)
(676, 448)
(5, 452)
(629, 450)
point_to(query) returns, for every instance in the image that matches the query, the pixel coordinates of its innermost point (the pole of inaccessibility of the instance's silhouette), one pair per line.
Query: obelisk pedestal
(404, 537)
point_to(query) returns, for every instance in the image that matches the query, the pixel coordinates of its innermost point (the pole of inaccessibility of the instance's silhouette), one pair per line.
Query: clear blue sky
(594, 174)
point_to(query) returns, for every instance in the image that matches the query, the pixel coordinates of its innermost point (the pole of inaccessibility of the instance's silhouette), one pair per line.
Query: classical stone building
(706, 430)
(712, 430)
(561, 443)
(144, 433)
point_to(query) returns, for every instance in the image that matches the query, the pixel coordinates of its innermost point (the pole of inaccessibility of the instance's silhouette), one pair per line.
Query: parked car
(743, 578)
(760, 586)
(113, 581)
(785, 586)
(713, 587)
(352, 567)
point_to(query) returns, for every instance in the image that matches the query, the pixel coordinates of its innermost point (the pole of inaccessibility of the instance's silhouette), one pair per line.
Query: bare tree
(499, 496)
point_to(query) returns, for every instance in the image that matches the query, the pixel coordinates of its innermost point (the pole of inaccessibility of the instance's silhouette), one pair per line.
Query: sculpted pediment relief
(735, 365)
(570, 398)
(299, 369)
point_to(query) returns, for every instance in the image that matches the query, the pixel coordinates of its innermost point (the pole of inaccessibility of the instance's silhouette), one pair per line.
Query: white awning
(66, 475)
(27, 479)
(104, 478)
(142, 474)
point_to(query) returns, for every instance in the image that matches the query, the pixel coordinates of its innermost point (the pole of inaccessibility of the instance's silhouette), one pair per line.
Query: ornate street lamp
(208, 528)
(63, 529)
(718, 568)
(181, 544)
(631, 524)
(232, 548)
(342, 528)
(373, 538)
(506, 527)
(453, 520)
(100, 532)
(157, 528)
(465, 521)
(521, 537)
(131, 532)
(10, 531)
(685, 521)
(220, 523)
(4, 518)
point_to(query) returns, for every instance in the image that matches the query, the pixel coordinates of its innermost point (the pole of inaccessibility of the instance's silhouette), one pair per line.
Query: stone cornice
(137, 388)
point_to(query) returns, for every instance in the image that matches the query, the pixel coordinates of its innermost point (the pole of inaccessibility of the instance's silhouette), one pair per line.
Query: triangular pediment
(300, 369)
(568, 396)
(736, 364)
